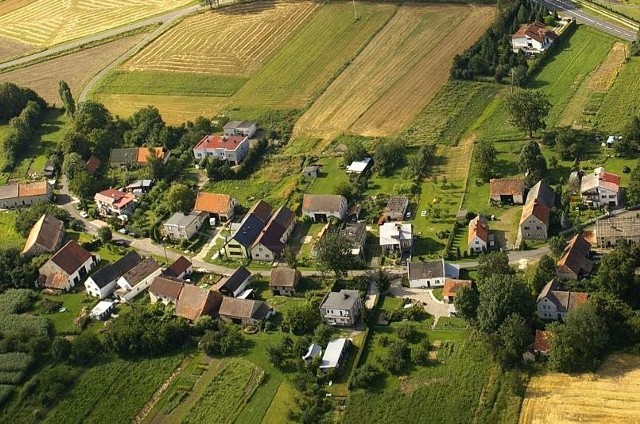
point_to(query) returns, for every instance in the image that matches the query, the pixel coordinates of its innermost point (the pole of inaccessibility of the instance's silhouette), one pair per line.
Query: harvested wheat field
(49, 22)
(10, 49)
(397, 74)
(612, 395)
(233, 41)
(75, 68)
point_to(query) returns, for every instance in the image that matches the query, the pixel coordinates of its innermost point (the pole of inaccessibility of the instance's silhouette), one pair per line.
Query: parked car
(123, 231)
(84, 214)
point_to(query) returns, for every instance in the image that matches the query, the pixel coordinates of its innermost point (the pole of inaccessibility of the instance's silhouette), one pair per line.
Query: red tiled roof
(478, 227)
(452, 286)
(220, 142)
(32, 189)
(542, 342)
(540, 211)
(213, 203)
(92, 164)
(536, 30)
(506, 186)
(576, 256)
(145, 152)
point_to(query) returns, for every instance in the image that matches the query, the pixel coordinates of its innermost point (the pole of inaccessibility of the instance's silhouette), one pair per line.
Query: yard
(9, 237)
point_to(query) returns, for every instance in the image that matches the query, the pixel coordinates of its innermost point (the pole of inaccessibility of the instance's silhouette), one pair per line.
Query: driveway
(432, 305)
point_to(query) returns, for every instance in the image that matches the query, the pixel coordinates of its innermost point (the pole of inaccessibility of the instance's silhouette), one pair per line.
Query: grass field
(75, 68)
(233, 41)
(630, 8)
(402, 68)
(122, 386)
(74, 302)
(621, 102)
(9, 237)
(49, 22)
(291, 77)
(610, 395)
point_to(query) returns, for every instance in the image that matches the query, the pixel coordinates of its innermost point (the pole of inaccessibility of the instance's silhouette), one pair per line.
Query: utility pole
(513, 72)
(355, 13)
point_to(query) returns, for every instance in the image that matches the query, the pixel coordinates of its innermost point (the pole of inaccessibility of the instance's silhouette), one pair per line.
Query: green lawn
(332, 174)
(9, 237)
(169, 84)
(621, 103)
(282, 403)
(74, 302)
(313, 56)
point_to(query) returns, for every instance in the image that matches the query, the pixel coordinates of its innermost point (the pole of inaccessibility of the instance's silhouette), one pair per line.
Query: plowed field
(48, 22)
(612, 395)
(397, 74)
(231, 41)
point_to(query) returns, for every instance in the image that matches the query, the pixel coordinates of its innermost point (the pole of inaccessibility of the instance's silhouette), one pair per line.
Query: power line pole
(355, 13)
(513, 72)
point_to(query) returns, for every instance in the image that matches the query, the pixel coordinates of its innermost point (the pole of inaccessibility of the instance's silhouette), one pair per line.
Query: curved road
(164, 18)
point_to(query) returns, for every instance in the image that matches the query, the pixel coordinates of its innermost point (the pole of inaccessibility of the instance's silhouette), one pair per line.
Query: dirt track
(396, 75)
(612, 395)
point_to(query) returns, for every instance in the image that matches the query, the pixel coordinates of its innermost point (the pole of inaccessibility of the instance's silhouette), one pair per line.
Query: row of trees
(21, 133)
(13, 99)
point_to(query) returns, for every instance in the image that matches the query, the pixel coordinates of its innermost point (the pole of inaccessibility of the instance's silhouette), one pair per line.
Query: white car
(84, 214)
(123, 231)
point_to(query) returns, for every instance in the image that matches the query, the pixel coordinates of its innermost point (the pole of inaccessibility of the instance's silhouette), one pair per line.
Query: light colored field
(232, 41)
(48, 22)
(8, 6)
(621, 102)
(75, 68)
(10, 48)
(612, 395)
(397, 74)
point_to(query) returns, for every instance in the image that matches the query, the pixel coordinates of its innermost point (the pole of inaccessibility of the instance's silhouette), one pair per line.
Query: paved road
(516, 257)
(60, 48)
(582, 16)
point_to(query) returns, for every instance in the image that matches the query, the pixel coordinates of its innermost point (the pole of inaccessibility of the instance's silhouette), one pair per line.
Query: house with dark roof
(478, 235)
(341, 308)
(600, 188)
(283, 281)
(320, 207)
(395, 210)
(19, 195)
(194, 302)
(311, 171)
(140, 186)
(219, 206)
(45, 236)
(179, 269)
(554, 303)
(165, 289)
(542, 342)
(244, 128)
(536, 213)
(232, 149)
(137, 279)
(234, 284)
(271, 242)
(183, 226)
(356, 234)
(507, 190)
(429, 274)
(104, 281)
(67, 267)
(92, 164)
(244, 311)
(623, 228)
(574, 262)
(533, 38)
(243, 238)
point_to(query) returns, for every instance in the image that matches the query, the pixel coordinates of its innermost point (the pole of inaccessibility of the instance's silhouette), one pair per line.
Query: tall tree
(388, 156)
(557, 245)
(484, 158)
(67, 98)
(513, 336)
(466, 303)
(501, 296)
(180, 198)
(532, 163)
(633, 188)
(147, 128)
(355, 151)
(616, 274)
(333, 253)
(579, 344)
(73, 163)
(545, 272)
(528, 109)
(494, 263)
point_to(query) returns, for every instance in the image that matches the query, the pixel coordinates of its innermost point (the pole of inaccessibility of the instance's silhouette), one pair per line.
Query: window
(526, 228)
(538, 228)
(612, 196)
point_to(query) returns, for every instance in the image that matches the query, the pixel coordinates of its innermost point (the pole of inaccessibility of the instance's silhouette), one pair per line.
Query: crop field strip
(610, 395)
(398, 72)
(49, 22)
(621, 102)
(232, 41)
(75, 68)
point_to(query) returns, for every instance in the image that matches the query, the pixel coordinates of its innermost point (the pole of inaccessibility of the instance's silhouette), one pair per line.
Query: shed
(102, 310)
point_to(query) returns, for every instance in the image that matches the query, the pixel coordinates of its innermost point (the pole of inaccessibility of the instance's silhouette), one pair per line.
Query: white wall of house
(93, 290)
(424, 283)
(160, 298)
(533, 229)
(547, 310)
(132, 292)
(477, 244)
(262, 253)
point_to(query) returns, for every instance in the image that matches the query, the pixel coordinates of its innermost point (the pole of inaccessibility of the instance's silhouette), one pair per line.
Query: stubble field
(49, 22)
(610, 395)
(398, 72)
(232, 41)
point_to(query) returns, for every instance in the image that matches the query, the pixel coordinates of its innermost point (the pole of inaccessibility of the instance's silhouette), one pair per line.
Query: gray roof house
(103, 282)
(183, 226)
(234, 284)
(554, 303)
(431, 273)
(45, 236)
(623, 228)
(246, 128)
(320, 207)
(341, 308)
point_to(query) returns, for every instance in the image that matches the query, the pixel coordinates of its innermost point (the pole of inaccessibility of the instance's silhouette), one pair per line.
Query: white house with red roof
(533, 38)
(600, 188)
(233, 149)
(114, 202)
(478, 238)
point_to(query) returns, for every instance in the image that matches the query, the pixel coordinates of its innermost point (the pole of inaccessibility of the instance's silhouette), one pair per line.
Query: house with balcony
(232, 149)
(183, 226)
(396, 237)
(341, 308)
(112, 202)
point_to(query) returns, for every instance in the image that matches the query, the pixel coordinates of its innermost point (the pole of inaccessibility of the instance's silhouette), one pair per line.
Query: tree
(83, 184)
(616, 274)
(13, 99)
(484, 158)
(67, 98)
(346, 190)
(513, 337)
(364, 376)
(355, 151)
(494, 263)
(104, 233)
(147, 128)
(85, 348)
(382, 281)
(73, 163)
(388, 156)
(322, 334)
(466, 303)
(579, 344)
(532, 163)
(91, 115)
(545, 272)
(501, 296)
(180, 198)
(633, 189)
(333, 253)
(557, 245)
(16, 271)
(226, 340)
(407, 331)
(528, 109)
(302, 318)
(397, 356)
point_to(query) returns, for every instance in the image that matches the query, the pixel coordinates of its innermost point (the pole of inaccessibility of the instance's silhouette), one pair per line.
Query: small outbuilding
(336, 354)
(102, 310)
